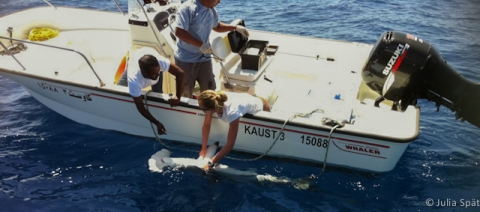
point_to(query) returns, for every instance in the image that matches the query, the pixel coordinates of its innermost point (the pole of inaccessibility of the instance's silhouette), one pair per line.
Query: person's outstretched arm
(207, 122)
(223, 27)
(145, 113)
(231, 138)
(179, 81)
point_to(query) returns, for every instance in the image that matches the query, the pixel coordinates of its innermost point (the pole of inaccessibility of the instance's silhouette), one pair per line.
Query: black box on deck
(253, 54)
(244, 47)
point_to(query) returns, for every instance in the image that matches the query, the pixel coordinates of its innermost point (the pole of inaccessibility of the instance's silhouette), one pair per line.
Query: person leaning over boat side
(229, 108)
(195, 21)
(149, 74)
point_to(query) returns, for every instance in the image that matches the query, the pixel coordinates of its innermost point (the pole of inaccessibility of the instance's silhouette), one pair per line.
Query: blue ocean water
(50, 163)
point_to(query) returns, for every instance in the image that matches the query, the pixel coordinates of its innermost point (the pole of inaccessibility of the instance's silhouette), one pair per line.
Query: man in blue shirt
(195, 21)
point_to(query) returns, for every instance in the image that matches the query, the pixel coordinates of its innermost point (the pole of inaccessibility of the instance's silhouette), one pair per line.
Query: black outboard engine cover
(403, 68)
(392, 62)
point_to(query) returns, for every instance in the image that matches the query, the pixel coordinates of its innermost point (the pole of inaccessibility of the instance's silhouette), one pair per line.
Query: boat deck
(306, 73)
(312, 73)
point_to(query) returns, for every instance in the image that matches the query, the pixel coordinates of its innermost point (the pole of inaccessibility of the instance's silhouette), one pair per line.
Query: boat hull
(94, 106)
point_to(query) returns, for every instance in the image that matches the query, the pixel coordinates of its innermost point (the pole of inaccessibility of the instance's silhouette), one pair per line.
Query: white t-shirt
(136, 81)
(239, 104)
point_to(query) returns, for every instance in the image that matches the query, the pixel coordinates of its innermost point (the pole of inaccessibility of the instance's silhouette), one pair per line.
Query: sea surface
(50, 163)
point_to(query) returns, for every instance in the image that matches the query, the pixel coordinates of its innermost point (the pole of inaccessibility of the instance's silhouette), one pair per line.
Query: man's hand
(161, 129)
(174, 101)
(208, 166)
(206, 48)
(242, 30)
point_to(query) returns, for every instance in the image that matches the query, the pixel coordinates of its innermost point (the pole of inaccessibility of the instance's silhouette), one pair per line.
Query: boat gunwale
(247, 116)
(57, 7)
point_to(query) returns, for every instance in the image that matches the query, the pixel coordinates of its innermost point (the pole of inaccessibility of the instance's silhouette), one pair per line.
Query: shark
(162, 159)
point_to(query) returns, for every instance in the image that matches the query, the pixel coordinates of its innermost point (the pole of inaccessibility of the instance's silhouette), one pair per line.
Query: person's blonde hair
(212, 100)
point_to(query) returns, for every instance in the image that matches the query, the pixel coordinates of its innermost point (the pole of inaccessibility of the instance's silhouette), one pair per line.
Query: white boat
(334, 102)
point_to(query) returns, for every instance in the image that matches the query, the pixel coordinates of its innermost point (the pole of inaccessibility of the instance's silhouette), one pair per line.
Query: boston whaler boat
(343, 103)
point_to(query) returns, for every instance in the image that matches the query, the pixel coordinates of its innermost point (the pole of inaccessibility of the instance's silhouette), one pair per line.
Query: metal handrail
(49, 4)
(118, 6)
(151, 27)
(55, 47)
(72, 50)
(146, 16)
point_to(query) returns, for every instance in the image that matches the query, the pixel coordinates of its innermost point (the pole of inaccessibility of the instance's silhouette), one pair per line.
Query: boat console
(151, 26)
(403, 68)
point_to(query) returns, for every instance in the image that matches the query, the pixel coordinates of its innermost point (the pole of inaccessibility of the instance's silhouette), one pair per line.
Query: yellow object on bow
(42, 34)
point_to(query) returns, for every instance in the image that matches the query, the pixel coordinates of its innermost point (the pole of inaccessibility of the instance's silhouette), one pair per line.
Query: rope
(274, 142)
(15, 49)
(156, 135)
(42, 34)
(328, 147)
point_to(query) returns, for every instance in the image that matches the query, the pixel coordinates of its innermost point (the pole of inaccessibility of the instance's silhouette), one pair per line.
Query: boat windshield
(134, 7)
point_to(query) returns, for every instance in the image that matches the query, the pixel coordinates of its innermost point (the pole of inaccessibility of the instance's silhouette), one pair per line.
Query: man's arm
(223, 27)
(145, 113)
(179, 81)
(186, 37)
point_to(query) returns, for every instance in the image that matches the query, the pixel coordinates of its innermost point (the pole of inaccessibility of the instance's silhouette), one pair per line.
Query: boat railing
(49, 46)
(146, 16)
(116, 3)
(51, 5)
(118, 6)
(151, 27)
(72, 50)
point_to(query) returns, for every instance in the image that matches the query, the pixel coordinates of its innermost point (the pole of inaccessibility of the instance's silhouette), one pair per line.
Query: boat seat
(232, 63)
(244, 80)
(221, 49)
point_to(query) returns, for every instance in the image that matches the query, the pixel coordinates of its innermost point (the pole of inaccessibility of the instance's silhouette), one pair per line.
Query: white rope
(274, 142)
(156, 135)
(328, 147)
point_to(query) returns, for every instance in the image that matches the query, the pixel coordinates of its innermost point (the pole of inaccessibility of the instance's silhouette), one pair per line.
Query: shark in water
(162, 159)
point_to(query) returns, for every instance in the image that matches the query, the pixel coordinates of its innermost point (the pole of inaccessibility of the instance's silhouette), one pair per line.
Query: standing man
(149, 73)
(195, 21)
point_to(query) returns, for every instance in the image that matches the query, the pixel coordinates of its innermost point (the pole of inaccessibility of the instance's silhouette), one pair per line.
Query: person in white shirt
(229, 108)
(149, 73)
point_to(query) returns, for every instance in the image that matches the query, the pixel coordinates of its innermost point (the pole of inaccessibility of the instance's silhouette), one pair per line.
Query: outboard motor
(403, 68)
